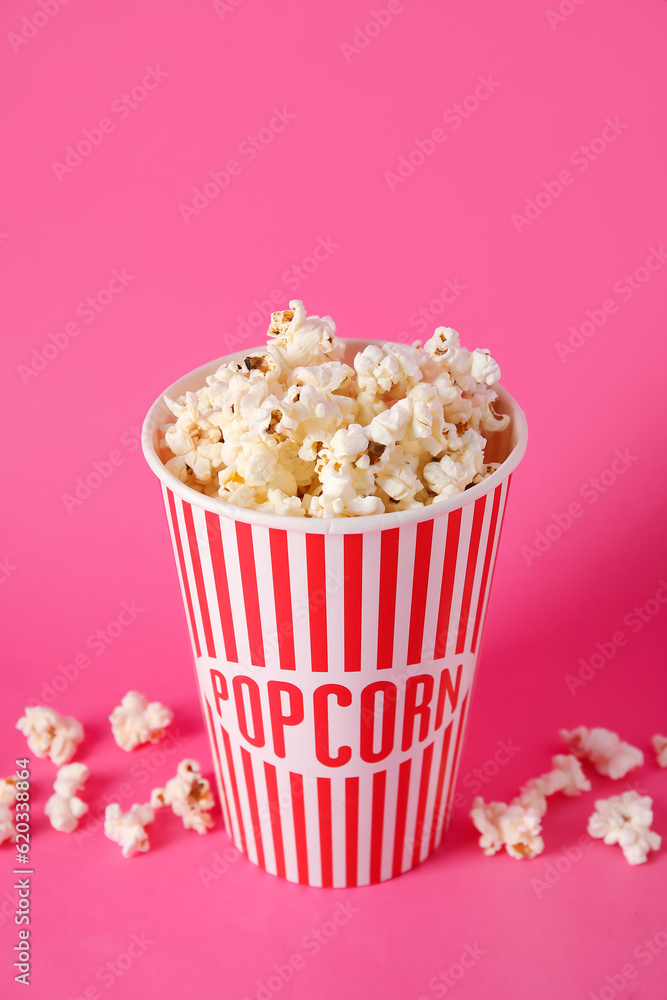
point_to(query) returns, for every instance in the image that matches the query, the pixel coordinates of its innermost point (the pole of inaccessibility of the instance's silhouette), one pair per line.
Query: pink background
(66, 575)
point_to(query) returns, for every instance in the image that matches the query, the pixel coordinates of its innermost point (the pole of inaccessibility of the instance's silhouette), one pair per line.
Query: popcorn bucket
(335, 660)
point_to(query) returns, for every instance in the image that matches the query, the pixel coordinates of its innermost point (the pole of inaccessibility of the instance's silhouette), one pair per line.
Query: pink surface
(328, 178)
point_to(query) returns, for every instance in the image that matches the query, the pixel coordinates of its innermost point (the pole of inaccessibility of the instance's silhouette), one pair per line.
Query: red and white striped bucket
(335, 660)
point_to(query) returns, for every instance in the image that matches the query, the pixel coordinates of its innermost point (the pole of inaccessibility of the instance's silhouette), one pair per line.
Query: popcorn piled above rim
(294, 430)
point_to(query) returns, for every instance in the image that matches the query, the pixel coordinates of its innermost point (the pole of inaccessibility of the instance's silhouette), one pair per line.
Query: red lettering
(321, 708)
(278, 719)
(255, 709)
(414, 708)
(447, 689)
(220, 689)
(369, 714)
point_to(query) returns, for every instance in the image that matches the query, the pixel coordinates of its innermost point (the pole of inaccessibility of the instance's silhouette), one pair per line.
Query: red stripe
(214, 529)
(419, 590)
(475, 534)
(377, 824)
(351, 830)
(421, 803)
(324, 809)
(455, 761)
(353, 562)
(487, 565)
(447, 588)
(252, 801)
(299, 813)
(235, 790)
(387, 612)
(228, 821)
(199, 577)
(401, 814)
(500, 531)
(317, 602)
(274, 811)
(250, 595)
(282, 594)
(441, 781)
(184, 574)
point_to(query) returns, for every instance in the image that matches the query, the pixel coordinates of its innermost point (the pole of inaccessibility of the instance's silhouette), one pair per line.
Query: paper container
(335, 660)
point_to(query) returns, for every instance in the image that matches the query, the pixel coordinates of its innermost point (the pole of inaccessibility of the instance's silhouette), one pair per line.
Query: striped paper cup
(335, 659)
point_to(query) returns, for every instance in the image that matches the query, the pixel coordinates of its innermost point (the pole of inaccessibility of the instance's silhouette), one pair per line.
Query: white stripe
(287, 822)
(411, 813)
(479, 569)
(296, 547)
(429, 818)
(234, 825)
(434, 587)
(264, 811)
(267, 607)
(312, 815)
(450, 776)
(405, 569)
(459, 579)
(496, 541)
(218, 775)
(172, 535)
(187, 555)
(338, 830)
(370, 599)
(335, 570)
(244, 800)
(365, 826)
(234, 581)
(389, 828)
(209, 580)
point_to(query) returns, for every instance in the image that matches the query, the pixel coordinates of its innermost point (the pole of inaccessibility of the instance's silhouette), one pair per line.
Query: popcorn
(137, 721)
(50, 734)
(128, 829)
(294, 430)
(517, 826)
(483, 368)
(7, 800)
(189, 796)
(626, 820)
(604, 749)
(65, 809)
(660, 747)
(567, 777)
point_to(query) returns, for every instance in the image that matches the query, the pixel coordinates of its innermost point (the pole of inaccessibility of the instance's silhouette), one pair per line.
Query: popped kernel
(517, 827)
(136, 721)
(626, 820)
(7, 800)
(65, 808)
(294, 430)
(189, 796)
(608, 754)
(50, 734)
(660, 746)
(128, 829)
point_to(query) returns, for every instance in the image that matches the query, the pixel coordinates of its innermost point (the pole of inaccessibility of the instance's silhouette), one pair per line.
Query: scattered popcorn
(50, 734)
(128, 829)
(626, 820)
(294, 430)
(517, 826)
(137, 721)
(7, 800)
(604, 749)
(65, 809)
(189, 796)
(660, 747)
(566, 777)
